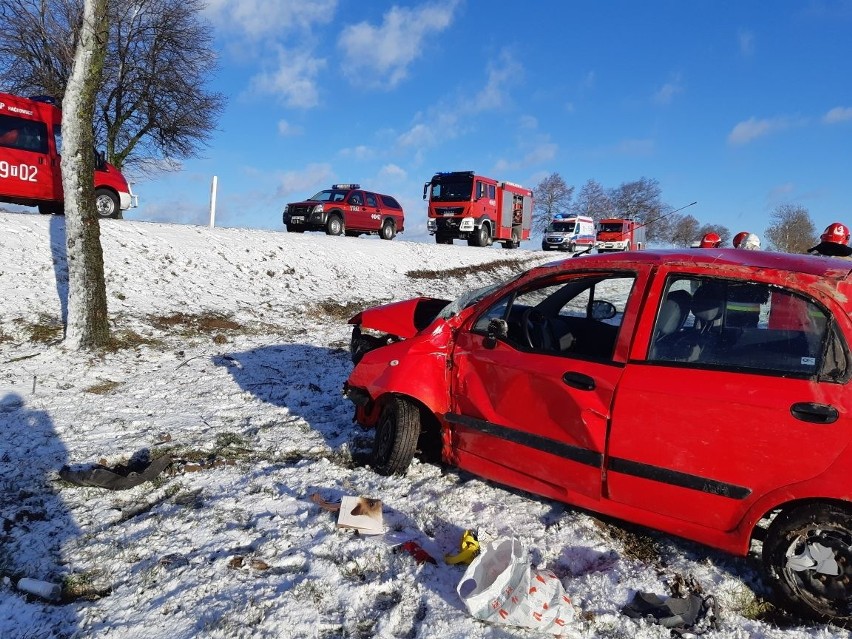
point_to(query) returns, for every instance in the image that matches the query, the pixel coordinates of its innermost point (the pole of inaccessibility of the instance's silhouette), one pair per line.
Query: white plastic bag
(501, 586)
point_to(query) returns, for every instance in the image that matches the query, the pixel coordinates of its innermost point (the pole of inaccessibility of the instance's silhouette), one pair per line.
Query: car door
(710, 417)
(531, 410)
(372, 212)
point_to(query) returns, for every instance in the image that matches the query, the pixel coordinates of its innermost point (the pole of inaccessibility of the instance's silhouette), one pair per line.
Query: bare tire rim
(818, 569)
(105, 206)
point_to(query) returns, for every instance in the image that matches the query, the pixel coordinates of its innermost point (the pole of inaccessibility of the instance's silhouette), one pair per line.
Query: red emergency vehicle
(464, 205)
(30, 147)
(620, 234)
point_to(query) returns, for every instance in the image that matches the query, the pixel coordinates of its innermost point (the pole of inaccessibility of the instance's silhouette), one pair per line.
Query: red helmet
(711, 240)
(739, 237)
(837, 233)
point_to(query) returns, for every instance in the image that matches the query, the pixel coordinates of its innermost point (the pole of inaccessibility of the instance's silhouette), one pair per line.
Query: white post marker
(213, 201)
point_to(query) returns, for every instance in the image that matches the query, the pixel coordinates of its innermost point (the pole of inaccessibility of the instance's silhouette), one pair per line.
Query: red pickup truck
(636, 385)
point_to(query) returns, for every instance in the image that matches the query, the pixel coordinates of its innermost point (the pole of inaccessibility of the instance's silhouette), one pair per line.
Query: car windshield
(560, 227)
(470, 298)
(329, 195)
(458, 190)
(611, 227)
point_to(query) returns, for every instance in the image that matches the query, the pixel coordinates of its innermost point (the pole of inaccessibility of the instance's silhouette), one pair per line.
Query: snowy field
(230, 354)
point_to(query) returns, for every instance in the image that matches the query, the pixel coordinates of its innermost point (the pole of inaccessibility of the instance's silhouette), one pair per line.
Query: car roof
(826, 267)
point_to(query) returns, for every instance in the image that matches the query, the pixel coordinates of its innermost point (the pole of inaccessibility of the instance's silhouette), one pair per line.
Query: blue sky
(740, 106)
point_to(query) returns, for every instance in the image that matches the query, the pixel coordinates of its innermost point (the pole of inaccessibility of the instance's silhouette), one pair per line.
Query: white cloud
(529, 122)
(312, 178)
(380, 55)
(746, 42)
(392, 171)
(419, 135)
(255, 18)
(668, 91)
(838, 114)
(751, 129)
(360, 152)
(286, 129)
(294, 80)
(494, 94)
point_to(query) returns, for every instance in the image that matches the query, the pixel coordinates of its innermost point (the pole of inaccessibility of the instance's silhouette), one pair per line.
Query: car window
(579, 316)
(390, 202)
(371, 199)
(26, 135)
(716, 323)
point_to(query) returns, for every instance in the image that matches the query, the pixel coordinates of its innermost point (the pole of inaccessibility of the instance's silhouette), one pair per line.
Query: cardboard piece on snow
(362, 514)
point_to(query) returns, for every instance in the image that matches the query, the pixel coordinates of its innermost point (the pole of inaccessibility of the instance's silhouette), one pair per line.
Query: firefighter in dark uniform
(834, 242)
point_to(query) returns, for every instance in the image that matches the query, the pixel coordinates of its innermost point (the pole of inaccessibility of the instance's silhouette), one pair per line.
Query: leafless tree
(641, 201)
(791, 229)
(87, 326)
(593, 201)
(152, 102)
(684, 230)
(552, 195)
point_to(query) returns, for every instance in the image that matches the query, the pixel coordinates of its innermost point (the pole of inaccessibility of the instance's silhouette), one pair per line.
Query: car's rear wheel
(515, 242)
(106, 204)
(396, 437)
(388, 231)
(334, 225)
(807, 554)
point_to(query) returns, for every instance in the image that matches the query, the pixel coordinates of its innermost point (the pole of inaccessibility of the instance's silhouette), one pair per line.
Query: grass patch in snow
(342, 311)
(44, 330)
(102, 388)
(193, 324)
(491, 268)
(742, 600)
(635, 545)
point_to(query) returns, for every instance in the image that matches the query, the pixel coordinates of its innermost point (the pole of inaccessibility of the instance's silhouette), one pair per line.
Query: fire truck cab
(620, 234)
(481, 210)
(30, 147)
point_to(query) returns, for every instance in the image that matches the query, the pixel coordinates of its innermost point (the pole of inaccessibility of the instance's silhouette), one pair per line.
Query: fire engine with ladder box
(481, 210)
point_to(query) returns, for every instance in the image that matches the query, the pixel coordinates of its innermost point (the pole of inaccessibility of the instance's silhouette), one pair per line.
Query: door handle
(814, 413)
(578, 380)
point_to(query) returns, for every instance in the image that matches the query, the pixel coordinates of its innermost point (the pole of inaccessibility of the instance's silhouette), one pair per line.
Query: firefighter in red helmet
(710, 240)
(834, 241)
(739, 237)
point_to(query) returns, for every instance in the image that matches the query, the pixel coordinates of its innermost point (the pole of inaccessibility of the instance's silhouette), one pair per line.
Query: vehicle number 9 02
(24, 172)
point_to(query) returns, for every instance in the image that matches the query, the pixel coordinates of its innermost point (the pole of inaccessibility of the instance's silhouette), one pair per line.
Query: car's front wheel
(396, 436)
(334, 225)
(106, 204)
(807, 554)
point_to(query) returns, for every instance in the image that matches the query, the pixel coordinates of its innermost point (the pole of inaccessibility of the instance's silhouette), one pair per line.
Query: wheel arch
(430, 441)
(758, 521)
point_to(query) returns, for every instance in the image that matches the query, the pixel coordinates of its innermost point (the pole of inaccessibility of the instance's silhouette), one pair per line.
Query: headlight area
(364, 340)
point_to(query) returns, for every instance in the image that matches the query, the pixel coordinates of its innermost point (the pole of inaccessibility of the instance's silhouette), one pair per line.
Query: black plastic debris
(117, 478)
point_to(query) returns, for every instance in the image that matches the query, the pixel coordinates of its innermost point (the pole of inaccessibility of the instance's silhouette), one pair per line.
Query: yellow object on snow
(468, 549)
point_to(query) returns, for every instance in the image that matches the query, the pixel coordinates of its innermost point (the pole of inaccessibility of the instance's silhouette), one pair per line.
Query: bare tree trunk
(87, 326)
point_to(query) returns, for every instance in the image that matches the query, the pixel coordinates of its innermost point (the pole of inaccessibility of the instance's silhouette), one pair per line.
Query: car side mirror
(603, 310)
(497, 329)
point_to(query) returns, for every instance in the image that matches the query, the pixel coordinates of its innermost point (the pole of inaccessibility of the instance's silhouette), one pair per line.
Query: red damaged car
(702, 393)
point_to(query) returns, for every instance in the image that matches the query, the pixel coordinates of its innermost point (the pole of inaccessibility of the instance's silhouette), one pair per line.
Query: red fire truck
(30, 146)
(620, 234)
(464, 205)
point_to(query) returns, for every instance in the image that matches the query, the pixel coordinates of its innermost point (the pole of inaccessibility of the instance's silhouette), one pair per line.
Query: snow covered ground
(231, 350)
